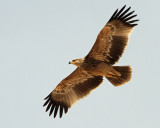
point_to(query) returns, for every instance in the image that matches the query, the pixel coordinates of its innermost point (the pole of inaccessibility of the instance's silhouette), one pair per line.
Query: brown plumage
(106, 51)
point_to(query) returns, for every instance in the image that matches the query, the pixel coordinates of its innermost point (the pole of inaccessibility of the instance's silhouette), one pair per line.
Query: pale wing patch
(102, 45)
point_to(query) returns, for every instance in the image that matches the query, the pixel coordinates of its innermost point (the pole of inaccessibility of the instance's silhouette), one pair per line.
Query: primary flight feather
(106, 51)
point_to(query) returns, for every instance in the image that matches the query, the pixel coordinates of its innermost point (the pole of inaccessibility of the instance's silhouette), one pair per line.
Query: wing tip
(55, 106)
(124, 16)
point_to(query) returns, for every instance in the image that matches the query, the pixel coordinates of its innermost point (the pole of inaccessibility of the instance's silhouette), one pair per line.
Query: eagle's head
(77, 62)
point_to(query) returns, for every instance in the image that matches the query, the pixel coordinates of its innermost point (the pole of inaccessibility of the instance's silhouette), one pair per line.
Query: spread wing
(113, 38)
(74, 87)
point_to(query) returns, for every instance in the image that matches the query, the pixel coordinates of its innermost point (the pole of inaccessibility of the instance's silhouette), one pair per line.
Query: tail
(125, 72)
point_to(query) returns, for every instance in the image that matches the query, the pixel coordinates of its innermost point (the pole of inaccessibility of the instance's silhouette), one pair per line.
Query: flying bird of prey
(108, 48)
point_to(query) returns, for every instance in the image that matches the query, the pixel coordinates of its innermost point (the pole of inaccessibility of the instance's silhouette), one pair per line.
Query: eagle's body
(106, 51)
(95, 67)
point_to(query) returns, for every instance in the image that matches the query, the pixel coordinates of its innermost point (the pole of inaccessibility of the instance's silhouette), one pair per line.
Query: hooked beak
(69, 62)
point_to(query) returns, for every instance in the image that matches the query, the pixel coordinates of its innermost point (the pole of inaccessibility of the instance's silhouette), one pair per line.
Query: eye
(73, 60)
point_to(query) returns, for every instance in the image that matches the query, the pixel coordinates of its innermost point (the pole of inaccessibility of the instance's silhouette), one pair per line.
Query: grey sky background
(37, 40)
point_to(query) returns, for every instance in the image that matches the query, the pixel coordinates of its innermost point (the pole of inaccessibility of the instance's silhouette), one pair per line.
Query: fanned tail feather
(125, 72)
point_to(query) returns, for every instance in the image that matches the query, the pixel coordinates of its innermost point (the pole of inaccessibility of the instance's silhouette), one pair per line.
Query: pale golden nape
(77, 62)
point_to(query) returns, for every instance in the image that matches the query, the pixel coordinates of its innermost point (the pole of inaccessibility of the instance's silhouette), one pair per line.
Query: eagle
(107, 50)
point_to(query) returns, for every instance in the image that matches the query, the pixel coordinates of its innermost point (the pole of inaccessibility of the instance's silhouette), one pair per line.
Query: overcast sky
(37, 40)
